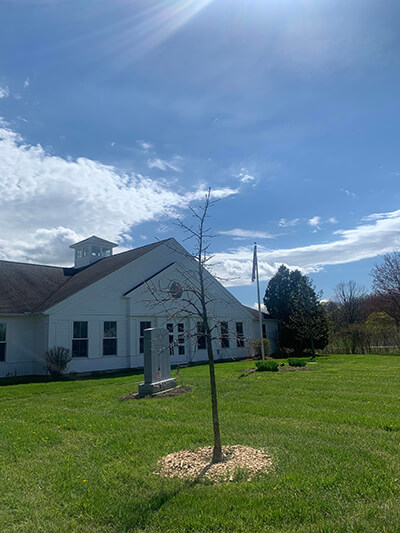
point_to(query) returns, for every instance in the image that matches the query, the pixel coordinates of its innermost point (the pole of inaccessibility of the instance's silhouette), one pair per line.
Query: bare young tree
(349, 298)
(195, 300)
(386, 282)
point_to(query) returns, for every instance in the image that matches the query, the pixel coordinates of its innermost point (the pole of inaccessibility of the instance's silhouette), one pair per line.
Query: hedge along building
(99, 310)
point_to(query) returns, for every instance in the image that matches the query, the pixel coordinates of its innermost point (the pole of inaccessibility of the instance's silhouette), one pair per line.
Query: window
(110, 338)
(224, 335)
(239, 335)
(170, 328)
(264, 332)
(3, 331)
(80, 340)
(106, 252)
(96, 251)
(201, 338)
(181, 339)
(175, 289)
(81, 252)
(143, 325)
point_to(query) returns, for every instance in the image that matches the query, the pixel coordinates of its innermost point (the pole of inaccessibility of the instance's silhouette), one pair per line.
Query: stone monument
(157, 363)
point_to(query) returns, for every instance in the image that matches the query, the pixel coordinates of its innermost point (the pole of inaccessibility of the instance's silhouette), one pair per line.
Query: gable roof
(148, 279)
(95, 240)
(29, 288)
(254, 312)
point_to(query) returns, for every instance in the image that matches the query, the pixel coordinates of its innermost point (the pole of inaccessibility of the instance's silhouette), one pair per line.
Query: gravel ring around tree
(240, 463)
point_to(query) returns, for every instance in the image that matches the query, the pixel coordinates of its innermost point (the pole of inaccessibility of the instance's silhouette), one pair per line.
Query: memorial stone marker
(157, 363)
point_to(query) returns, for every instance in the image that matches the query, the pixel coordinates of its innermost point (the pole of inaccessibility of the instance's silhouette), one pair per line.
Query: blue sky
(117, 116)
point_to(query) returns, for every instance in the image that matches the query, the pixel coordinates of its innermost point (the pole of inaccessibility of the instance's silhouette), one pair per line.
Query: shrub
(256, 344)
(296, 362)
(57, 360)
(267, 366)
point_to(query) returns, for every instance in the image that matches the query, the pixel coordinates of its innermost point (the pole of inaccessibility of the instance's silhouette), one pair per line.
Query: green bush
(267, 366)
(256, 344)
(292, 361)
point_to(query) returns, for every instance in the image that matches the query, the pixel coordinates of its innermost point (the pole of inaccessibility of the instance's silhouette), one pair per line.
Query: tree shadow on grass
(145, 510)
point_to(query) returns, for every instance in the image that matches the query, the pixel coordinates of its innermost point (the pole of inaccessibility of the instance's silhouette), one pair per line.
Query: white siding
(271, 331)
(26, 345)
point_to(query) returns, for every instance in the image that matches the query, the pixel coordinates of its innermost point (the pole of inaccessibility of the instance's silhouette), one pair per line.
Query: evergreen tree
(291, 298)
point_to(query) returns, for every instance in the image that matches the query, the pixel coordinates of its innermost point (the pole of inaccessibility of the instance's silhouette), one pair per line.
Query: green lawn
(73, 458)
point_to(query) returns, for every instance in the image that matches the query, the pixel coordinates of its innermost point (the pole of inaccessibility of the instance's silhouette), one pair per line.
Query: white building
(99, 308)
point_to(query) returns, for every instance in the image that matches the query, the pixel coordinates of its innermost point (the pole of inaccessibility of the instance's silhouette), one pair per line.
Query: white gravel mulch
(194, 464)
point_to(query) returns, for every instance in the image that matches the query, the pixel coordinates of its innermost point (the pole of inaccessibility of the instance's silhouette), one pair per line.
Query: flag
(253, 274)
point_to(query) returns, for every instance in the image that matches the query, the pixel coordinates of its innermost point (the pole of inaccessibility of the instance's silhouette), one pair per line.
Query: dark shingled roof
(254, 312)
(28, 288)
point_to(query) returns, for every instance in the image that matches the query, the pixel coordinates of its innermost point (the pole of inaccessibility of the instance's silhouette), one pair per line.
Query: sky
(116, 117)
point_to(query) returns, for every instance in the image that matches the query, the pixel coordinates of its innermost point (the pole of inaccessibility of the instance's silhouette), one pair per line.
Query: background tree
(386, 283)
(277, 294)
(350, 298)
(307, 317)
(291, 298)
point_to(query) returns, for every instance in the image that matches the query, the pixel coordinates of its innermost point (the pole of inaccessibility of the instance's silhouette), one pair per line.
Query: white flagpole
(259, 304)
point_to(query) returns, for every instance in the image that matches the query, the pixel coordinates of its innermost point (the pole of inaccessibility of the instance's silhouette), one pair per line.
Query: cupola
(91, 250)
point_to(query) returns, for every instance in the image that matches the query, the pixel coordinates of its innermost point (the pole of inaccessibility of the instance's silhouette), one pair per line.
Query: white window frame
(4, 342)
(110, 338)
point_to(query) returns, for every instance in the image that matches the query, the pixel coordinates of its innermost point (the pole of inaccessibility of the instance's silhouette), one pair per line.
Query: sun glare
(155, 24)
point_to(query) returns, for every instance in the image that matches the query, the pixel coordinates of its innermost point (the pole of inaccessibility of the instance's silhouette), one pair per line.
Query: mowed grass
(74, 458)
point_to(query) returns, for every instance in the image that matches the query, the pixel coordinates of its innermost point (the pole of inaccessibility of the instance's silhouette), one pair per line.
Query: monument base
(145, 389)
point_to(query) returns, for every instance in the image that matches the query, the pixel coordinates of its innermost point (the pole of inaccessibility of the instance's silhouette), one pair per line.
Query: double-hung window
(176, 340)
(201, 338)
(170, 328)
(3, 341)
(181, 338)
(143, 325)
(80, 340)
(224, 335)
(110, 338)
(239, 335)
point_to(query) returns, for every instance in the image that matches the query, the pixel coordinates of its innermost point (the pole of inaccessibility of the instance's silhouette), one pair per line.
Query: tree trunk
(217, 452)
(312, 346)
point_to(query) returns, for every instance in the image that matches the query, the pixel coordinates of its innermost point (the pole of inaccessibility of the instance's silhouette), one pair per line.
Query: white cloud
(283, 223)
(263, 307)
(26, 83)
(4, 91)
(349, 193)
(47, 202)
(239, 234)
(216, 194)
(163, 165)
(315, 221)
(163, 228)
(244, 176)
(332, 220)
(381, 216)
(379, 236)
(144, 145)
